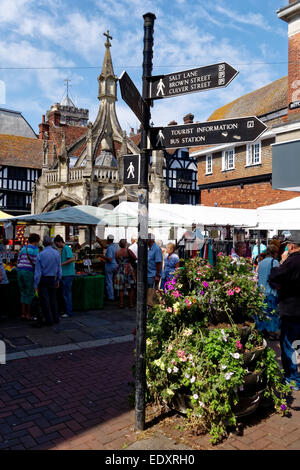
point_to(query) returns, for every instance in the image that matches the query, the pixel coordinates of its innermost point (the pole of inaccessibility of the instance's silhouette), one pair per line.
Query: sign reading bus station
(191, 81)
(225, 131)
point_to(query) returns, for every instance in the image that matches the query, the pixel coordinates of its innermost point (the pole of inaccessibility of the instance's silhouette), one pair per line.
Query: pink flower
(180, 353)
(188, 302)
(205, 284)
(230, 292)
(176, 293)
(239, 345)
(237, 290)
(220, 254)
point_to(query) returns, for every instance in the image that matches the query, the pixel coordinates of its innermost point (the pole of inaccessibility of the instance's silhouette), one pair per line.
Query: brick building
(240, 175)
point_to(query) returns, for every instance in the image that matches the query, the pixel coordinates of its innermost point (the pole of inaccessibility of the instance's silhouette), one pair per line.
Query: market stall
(282, 216)
(88, 286)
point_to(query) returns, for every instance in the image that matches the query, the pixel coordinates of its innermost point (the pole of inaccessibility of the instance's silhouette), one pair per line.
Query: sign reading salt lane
(190, 81)
(225, 131)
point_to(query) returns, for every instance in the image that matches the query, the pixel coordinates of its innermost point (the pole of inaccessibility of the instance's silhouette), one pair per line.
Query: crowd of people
(41, 272)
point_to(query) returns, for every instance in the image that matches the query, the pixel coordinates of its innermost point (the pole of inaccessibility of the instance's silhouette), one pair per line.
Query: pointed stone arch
(62, 198)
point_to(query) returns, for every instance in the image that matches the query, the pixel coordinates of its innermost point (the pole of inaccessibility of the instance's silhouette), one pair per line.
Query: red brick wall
(250, 197)
(294, 75)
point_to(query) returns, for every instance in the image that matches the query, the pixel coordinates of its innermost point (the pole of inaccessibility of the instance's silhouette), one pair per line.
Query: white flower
(193, 379)
(175, 369)
(187, 376)
(169, 370)
(223, 367)
(241, 388)
(228, 375)
(195, 396)
(201, 404)
(224, 336)
(235, 355)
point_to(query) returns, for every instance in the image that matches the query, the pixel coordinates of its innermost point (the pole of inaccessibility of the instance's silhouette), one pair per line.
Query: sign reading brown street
(190, 81)
(225, 131)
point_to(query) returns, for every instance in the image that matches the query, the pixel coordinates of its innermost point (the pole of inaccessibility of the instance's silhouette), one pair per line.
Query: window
(253, 154)
(228, 160)
(208, 164)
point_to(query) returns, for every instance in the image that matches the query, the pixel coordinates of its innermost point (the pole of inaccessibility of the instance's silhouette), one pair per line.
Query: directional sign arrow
(191, 81)
(245, 129)
(131, 96)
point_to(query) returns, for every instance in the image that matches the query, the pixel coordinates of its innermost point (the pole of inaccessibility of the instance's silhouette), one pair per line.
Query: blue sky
(44, 41)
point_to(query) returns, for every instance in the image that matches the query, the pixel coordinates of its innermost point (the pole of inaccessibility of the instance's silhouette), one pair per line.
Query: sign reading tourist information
(131, 95)
(132, 169)
(191, 81)
(225, 131)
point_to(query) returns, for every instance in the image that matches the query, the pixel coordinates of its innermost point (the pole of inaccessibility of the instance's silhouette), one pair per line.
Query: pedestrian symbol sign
(131, 169)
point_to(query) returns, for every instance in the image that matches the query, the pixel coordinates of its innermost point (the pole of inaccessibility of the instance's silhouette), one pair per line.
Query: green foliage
(188, 357)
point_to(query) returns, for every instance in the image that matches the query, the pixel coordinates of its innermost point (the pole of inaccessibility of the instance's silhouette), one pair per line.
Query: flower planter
(253, 355)
(248, 405)
(181, 402)
(252, 379)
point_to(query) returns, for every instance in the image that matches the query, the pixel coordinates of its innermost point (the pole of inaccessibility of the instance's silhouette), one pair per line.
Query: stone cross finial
(107, 44)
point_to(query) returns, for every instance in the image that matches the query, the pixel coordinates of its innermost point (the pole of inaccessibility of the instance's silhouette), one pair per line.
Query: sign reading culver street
(225, 131)
(191, 81)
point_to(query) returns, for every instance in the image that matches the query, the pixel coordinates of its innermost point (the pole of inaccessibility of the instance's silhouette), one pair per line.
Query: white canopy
(282, 216)
(162, 215)
(85, 215)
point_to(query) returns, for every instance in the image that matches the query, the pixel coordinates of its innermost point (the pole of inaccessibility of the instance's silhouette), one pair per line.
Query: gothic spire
(107, 68)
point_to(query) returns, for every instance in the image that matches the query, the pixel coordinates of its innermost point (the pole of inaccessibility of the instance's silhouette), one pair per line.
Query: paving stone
(78, 335)
(21, 341)
(66, 325)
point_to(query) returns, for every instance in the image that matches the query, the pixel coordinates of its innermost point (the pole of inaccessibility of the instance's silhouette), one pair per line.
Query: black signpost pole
(143, 197)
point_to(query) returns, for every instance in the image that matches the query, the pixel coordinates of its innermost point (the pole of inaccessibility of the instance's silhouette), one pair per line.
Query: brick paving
(75, 400)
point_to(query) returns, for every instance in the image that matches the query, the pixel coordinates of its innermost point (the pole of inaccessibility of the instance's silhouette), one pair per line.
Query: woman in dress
(125, 278)
(171, 262)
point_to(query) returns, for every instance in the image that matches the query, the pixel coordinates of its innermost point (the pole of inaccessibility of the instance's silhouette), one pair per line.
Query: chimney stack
(188, 119)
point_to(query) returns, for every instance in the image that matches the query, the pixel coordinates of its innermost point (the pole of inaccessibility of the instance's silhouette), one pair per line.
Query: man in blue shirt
(154, 262)
(47, 275)
(110, 266)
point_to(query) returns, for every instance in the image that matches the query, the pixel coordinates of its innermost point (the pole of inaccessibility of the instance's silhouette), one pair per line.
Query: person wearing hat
(110, 266)
(286, 278)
